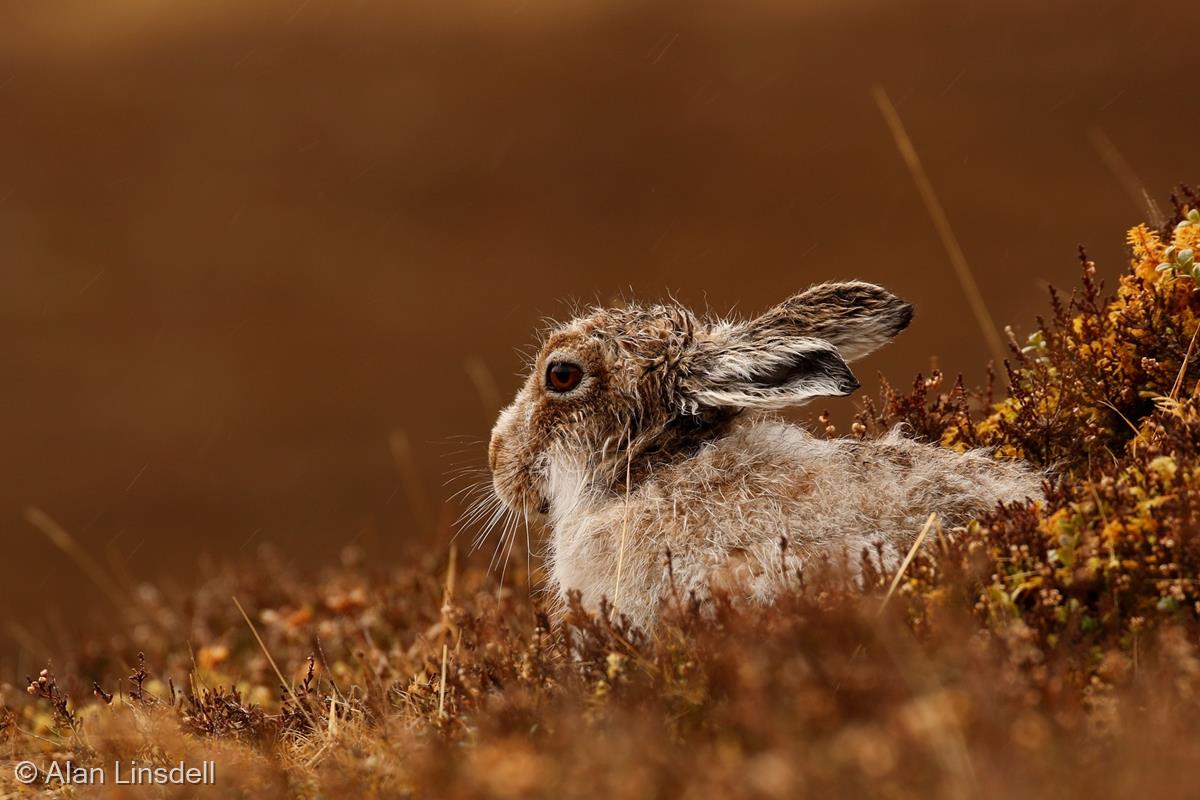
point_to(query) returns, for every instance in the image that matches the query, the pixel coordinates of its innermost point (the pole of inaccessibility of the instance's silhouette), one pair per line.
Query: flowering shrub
(1041, 649)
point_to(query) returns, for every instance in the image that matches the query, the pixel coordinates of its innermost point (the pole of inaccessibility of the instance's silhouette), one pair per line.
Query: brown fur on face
(659, 382)
(625, 407)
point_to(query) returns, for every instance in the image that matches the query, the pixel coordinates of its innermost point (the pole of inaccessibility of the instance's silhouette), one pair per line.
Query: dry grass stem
(958, 259)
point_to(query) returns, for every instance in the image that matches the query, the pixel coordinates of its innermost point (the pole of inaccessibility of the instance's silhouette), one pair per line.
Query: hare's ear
(735, 370)
(855, 317)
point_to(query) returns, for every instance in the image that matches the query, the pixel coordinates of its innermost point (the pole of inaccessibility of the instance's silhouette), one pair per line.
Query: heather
(1044, 649)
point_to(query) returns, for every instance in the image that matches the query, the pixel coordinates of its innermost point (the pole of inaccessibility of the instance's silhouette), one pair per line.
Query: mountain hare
(643, 430)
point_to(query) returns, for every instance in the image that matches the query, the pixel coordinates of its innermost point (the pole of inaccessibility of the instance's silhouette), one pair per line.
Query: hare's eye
(563, 376)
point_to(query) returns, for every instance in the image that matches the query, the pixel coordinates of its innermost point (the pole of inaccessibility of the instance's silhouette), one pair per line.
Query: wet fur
(669, 444)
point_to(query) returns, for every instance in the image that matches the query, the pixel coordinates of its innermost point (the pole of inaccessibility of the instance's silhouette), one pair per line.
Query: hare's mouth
(520, 495)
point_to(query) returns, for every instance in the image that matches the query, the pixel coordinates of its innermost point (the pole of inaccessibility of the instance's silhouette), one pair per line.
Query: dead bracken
(1037, 649)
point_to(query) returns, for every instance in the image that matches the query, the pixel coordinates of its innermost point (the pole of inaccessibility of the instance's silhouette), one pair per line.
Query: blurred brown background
(244, 246)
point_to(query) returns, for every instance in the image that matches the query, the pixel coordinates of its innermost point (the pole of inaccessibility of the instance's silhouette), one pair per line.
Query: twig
(912, 552)
(274, 666)
(1183, 367)
(624, 525)
(442, 685)
(448, 591)
(447, 597)
(1125, 175)
(485, 386)
(67, 543)
(1137, 433)
(402, 454)
(941, 222)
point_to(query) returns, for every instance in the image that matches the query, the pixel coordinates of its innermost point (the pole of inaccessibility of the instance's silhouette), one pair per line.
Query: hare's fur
(666, 445)
(724, 513)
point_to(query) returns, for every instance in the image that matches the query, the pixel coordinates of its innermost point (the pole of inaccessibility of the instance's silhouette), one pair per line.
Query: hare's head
(616, 391)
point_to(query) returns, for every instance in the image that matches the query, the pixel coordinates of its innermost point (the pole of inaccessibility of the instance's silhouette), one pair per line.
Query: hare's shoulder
(755, 457)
